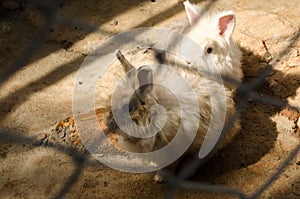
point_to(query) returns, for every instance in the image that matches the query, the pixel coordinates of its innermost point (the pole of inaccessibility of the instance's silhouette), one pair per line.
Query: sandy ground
(38, 95)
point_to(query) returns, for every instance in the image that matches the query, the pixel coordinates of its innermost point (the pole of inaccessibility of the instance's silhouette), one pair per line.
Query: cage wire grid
(246, 91)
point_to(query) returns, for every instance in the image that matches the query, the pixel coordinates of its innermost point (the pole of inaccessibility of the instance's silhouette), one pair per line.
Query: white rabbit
(143, 98)
(213, 34)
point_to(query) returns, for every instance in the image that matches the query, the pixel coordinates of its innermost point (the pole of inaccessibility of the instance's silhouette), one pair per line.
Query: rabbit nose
(188, 62)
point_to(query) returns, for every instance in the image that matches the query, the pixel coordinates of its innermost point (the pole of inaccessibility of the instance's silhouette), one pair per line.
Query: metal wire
(246, 92)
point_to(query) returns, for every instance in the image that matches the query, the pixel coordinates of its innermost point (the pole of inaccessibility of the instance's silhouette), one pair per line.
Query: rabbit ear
(145, 80)
(226, 23)
(127, 66)
(192, 12)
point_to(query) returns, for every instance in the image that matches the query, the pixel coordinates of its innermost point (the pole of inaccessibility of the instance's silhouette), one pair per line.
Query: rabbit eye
(209, 50)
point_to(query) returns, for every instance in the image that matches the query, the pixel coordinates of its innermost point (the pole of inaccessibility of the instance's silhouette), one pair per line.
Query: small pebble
(114, 22)
(267, 57)
(295, 53)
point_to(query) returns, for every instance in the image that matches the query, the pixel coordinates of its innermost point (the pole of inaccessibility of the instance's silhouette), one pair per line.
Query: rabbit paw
(158, 178)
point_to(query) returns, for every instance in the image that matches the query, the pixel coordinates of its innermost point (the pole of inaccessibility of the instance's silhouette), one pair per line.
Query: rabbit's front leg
(159, 175)
(137, 145)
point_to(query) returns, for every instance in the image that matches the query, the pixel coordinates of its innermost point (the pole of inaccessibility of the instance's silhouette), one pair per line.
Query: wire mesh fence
(246, 92)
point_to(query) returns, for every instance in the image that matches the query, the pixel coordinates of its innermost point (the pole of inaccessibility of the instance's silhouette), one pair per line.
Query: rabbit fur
(144, 98)
(212, 31)
(142, 86)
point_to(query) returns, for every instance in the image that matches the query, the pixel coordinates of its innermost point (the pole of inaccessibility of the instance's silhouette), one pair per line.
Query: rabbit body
(142, 108)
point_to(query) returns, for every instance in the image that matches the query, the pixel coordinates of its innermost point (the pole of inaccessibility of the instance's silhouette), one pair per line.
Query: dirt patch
(39, 94)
